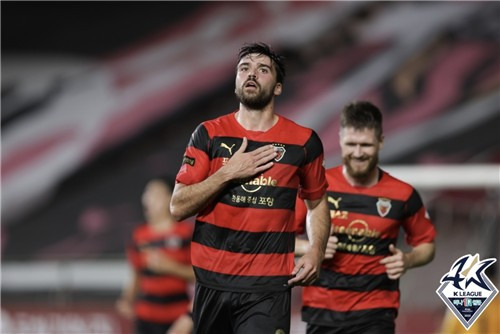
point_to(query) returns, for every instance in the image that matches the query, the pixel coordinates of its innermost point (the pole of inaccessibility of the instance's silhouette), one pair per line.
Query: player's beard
(360, 174)
(255, 101)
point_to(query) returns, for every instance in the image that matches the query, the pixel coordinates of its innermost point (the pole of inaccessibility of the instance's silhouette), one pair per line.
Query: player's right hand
(246, 164)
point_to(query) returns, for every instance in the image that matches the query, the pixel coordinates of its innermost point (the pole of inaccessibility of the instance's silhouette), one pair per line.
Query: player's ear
(278, 89)
(381, 142)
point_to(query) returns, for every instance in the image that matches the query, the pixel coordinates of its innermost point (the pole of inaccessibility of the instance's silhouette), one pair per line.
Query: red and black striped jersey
(244, 239)
(163, 297)
(354, 285)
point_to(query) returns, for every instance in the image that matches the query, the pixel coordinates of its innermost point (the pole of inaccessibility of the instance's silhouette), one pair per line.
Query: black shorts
(148, 327)
(383, 323)
(216, 312)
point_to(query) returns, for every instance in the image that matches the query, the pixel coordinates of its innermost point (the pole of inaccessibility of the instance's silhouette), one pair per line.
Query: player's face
(156, 200)
(256, 83)
(360, 151)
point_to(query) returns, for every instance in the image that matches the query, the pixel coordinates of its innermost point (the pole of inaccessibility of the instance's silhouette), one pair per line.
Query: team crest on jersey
(280, 151)
(466, 289)
(383, 206)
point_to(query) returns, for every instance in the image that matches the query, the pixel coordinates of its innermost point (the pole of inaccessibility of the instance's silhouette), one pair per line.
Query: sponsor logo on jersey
(466, 289)
(357, 231)
(257, 183)
(227, 147)
(188, 160)
(335, 202)
(335, 213)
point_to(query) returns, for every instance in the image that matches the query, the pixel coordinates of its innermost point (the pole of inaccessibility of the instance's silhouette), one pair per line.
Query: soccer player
(241, 174)
(160, 257)
(357, 291)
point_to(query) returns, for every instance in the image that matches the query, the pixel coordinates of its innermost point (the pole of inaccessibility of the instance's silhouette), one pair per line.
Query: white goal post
(436, 177)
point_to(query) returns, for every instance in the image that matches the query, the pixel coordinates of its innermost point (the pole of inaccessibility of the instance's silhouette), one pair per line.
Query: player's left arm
(307, 269)
(420, 235)
(161, 263)
(399, 262)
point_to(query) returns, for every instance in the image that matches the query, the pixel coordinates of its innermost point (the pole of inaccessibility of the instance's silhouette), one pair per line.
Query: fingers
(245, 164)
(298, 273)
(304, 276)
(394, 264)
(395, 273)
(243, 146)
(304, 273)
(259, 153)
(298, 267)
(264, 154)
(331, 247)
(397, 255)
(264, 167)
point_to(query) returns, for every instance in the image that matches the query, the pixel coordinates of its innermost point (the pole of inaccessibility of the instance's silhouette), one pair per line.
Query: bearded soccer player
(357, 291)
(241, 174)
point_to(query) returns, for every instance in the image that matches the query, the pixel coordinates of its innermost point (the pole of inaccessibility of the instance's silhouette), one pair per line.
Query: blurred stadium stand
(90, 112)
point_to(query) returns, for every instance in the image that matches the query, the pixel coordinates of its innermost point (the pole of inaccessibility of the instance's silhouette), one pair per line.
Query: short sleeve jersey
(353, 285)
(244, 239)
(163, 297)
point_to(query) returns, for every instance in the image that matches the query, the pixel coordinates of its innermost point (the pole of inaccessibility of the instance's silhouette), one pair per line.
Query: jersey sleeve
(133, 255)
(195, 162)
(313, 180)
(417, 225)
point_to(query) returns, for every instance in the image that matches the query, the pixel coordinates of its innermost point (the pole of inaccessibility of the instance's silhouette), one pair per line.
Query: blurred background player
(358, 289)
(160, 258)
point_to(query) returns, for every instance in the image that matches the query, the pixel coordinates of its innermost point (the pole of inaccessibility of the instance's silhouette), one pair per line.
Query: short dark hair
(360, 115)
(264, 49)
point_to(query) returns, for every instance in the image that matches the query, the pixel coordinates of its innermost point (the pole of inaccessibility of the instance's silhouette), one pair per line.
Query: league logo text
(466, 289)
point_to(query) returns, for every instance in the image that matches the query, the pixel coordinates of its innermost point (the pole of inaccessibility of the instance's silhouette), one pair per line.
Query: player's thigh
(264, 313)
(383, 326)
(148, 327)
(317, 329)
(211, 311)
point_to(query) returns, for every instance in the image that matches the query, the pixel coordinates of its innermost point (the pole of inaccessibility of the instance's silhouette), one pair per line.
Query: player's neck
(162, 223)
(367, 181)
(256, 120)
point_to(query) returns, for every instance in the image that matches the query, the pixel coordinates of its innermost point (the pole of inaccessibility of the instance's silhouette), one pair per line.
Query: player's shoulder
(334, 172)
(185, 228)
(140, 230)
(403, 187)
(390, 178)
(300, 132)
(333, 175)
(294, 125)
(218, 122)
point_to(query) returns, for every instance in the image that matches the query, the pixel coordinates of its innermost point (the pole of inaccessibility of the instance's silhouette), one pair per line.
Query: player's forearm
(187, 200)
(131, 290)
(301, 246)
(318, 225)
(420, 255)
(184, 271)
